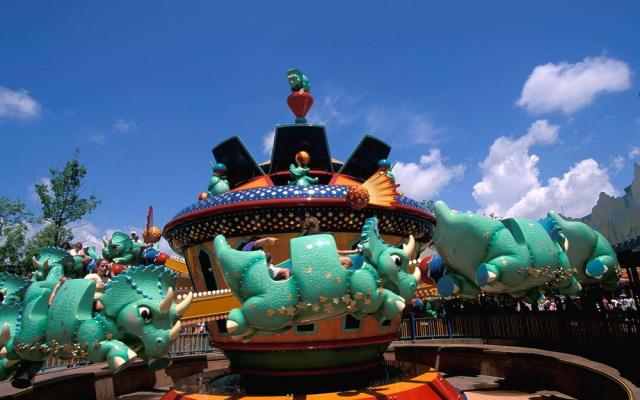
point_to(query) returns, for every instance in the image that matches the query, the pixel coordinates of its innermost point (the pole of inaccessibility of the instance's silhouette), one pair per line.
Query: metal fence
(192, 340)
(620, 332)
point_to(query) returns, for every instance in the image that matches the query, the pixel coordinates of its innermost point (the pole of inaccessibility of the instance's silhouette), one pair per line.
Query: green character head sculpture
(298, 81)
(121, 249)
(319, 287)
(139, 319)
(391, 262)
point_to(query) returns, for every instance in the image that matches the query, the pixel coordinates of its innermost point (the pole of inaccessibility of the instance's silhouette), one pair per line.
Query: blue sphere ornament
(219, 168)
(384, 164)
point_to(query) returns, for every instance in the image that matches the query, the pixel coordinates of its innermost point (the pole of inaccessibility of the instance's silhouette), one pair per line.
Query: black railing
(620, 332)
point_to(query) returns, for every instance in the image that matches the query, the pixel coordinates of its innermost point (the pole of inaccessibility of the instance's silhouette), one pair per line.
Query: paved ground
(483, 387)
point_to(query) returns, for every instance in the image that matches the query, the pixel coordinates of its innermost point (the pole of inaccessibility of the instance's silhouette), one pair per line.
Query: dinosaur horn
(175, 331)
(35, 262)
(165, 304)
(5, 334)
(45, 264)
(409, 247)
(111, 242)
(105, 242)
(416, 273)
(182, 307)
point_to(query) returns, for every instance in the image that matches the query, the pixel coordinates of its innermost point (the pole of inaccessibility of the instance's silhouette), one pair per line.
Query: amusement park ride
(330, 315)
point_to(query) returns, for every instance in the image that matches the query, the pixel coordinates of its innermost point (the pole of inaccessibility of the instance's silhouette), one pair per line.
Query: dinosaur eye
(396, 259)
(145, 314)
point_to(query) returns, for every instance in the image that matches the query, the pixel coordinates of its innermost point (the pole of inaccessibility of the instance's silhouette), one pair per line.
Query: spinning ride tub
(262, 203)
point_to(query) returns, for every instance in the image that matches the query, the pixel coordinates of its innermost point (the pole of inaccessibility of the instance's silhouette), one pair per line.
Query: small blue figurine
(385, 166)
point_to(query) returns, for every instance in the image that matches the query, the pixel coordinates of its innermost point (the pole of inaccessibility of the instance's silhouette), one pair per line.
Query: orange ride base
(428, 386)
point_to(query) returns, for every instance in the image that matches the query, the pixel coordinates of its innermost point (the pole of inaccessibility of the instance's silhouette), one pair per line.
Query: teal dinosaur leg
(236, 322)
(571, 287)
(23, 377)
(453, 283)
(7, 368)
(117, 354)
(392, 305)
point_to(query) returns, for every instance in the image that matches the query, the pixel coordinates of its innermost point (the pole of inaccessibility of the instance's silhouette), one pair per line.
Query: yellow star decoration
(328, 307)
(380, 290)
(358, 296)
(291, 311)
(504, 262)
(323, 299)
(336, 301)
(315, 307)
(309, 269)
(389, 300)
(336, 281)
(271, 313)
(485, 233)
(367, 301)
(281, 310)
(302, 306)
(109, 335)
(328, 275)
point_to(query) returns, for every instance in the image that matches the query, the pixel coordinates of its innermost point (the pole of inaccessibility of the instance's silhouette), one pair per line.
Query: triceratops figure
(121, 249)
(519, 256)
(319, 286)
(139, 319)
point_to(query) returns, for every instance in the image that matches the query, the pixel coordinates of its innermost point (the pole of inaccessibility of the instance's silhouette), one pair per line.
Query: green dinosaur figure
(516, 255)
(299, 174)
(588, 251)
(12, 287)
(319, 286)
(298, 81)
(139, 319)
(218, 184)
(122, 249)
(50, 256)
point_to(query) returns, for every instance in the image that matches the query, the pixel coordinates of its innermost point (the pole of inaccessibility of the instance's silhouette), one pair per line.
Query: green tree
(14, 220)
(62, 202)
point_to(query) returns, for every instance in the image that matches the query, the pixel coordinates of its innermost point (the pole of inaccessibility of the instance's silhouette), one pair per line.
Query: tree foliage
(62, 203)
(14, 220)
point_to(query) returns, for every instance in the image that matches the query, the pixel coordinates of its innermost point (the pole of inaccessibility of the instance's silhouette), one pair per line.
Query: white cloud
(618, 163)
(574, 194)
(267, 142)
(510, 184)
(509, 170)
(86, 232)
(124, 126)
(97, 137)
(414, 127)
(634, 152)
(33, 195)
(425, 180)
(17, 104)
(569, 87)
(333, 107)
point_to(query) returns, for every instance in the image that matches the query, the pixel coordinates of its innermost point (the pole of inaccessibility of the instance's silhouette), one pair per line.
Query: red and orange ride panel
(428, 386)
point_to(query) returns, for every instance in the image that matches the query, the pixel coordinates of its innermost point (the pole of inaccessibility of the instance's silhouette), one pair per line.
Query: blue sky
(504, 107)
